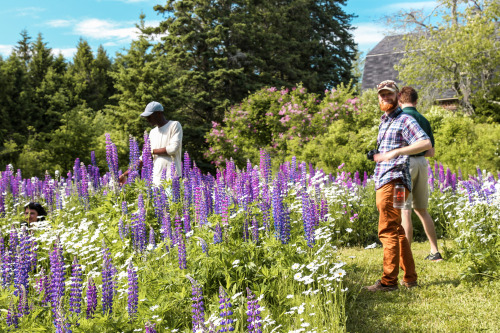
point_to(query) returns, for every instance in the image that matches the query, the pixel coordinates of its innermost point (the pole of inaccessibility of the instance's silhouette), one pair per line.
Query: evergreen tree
(221, 50)
(140, 77)
(102, 80)
(38, 67)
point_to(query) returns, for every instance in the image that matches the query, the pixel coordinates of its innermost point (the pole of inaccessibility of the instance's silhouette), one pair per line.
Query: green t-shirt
(424, 123)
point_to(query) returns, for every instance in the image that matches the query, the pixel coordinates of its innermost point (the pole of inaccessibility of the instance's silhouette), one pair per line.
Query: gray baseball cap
(152, 107)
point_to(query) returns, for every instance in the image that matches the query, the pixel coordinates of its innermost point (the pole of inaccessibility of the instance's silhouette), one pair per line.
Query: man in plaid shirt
(399, 136)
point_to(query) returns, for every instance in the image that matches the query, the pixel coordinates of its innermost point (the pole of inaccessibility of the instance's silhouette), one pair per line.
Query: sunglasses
(389, 84)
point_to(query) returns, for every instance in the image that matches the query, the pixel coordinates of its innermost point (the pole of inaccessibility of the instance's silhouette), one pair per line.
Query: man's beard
(388, 106)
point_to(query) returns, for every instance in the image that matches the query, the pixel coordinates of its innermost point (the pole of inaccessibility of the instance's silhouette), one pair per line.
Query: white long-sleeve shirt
(168, 136)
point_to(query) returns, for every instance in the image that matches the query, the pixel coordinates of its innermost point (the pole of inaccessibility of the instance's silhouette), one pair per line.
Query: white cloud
(101, 29)
(5, 50)
(67, 53)
(27, 11)
(368, 34)
(426, 5)
(59, 23)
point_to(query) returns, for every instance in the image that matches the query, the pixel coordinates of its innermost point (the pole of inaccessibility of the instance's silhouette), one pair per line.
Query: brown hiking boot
(409, 285)
(378, 286)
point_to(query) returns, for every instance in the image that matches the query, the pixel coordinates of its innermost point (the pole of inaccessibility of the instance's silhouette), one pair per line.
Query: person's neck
(162, 122)
(408, 105)
(387, 113)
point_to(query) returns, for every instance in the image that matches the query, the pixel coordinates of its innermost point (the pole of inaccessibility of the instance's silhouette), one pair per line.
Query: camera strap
(383, 136)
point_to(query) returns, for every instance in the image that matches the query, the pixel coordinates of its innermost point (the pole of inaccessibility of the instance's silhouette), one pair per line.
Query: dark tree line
(204, 57)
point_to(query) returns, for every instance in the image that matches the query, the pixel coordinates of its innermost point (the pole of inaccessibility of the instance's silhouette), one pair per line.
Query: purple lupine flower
(112, 157)
(91, 298)
(176, 184)
(134, 156)
(441, 177)
(12, 318)
(147, 161)
(225, 306)
(204, 245)
(124, 208)
(152, 241)
(158, 203)
(365, 179)
(121, 229)
(308, 219)
(139, 226)
(83, 187)
(150, 327)
(187, 220)
(42, 286)
(246, 234)
(60, 322)
(22, 262)
(265, 166)
(133, 292)
(107, 281)
(430, 174)
(57, 280)
(167, 229)
(7, 268)
(197, 304)
(186, 166)
(218, 234)
(23, 308)
(2, 245)
(253, 313)
(13, 237)
(181, 245)
(75, 300)
(255, 230)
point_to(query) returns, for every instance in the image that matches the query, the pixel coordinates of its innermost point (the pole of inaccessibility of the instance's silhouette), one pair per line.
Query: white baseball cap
(152, 107)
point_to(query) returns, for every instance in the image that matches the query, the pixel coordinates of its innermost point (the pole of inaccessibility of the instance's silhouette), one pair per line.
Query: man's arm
(174, 142)
(412, 149)
(123, 177)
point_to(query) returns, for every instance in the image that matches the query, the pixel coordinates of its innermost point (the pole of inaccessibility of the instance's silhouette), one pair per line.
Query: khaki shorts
(419, 196)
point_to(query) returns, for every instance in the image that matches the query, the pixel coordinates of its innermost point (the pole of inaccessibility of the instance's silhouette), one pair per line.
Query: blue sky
(111, 23)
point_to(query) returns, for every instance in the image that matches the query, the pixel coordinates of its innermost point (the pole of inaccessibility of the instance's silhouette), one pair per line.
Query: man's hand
(430, 152)
(122, 179)
(386, 156)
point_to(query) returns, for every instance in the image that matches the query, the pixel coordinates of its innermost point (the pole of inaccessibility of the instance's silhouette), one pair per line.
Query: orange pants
(397, 251)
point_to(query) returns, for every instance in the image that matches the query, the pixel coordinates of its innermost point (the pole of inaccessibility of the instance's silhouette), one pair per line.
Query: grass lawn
(442, 302)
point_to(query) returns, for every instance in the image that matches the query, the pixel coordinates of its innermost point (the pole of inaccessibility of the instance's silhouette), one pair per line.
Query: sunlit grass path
(442, 302)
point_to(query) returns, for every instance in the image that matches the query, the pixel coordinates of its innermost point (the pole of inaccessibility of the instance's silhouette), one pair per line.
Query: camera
(371, 153)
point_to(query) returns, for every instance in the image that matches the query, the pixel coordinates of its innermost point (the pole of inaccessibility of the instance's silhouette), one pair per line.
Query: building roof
(380, 62)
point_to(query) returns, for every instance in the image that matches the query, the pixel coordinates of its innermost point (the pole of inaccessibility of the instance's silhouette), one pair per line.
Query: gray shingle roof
(380, 61)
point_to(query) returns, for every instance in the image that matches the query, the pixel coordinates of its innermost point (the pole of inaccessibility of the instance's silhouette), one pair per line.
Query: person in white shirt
(166, 143)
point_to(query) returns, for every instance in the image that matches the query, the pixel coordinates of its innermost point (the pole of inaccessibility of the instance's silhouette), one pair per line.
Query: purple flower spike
(133, 292)
(150, 327)
(91, 298)
(198, 308)
(253, 313)
(152, 241)
(12, 319)
(75, 301)
(204, 245)
(107, 282)
(57, 281)
(225, 312)
(181, 245)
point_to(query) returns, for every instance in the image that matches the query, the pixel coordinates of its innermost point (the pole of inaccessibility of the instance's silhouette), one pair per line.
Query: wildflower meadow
(249, 249)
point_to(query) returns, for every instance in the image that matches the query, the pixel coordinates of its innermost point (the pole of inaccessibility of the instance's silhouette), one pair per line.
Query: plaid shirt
(402, 131)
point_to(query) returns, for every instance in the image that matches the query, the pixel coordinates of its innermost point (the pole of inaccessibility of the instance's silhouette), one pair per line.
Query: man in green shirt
(418, 199)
